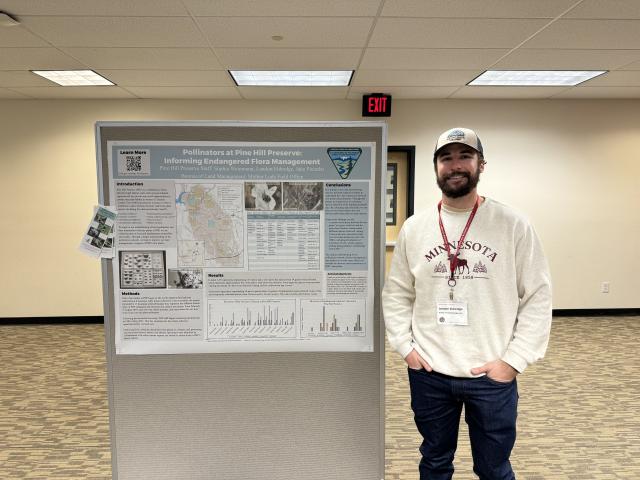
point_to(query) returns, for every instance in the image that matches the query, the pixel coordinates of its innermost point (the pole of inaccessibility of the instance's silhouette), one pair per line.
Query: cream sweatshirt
(506, 284)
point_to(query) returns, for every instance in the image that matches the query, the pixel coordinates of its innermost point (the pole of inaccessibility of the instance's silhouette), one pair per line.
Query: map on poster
(240, 247)
(210, 224)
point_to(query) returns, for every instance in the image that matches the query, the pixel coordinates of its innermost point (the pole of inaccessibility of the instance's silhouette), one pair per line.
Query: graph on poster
(332, 318)
(240, 319)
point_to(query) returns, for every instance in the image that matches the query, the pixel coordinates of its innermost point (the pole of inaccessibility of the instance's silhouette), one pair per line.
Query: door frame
(410, 150)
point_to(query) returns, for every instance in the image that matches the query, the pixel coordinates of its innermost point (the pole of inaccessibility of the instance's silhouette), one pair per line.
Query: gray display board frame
(227, 416)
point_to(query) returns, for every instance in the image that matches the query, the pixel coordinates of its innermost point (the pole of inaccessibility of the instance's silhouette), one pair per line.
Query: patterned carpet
(54, 418)
(578, 416)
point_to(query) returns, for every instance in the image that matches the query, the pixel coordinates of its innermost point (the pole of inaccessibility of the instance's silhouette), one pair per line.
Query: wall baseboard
(561, 312)
(595, 312)
(50, 320)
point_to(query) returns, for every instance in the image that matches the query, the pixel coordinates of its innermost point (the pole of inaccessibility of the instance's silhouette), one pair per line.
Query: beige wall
(572, 166)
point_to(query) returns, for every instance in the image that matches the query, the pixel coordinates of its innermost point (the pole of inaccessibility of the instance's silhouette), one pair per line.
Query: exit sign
(376, 105)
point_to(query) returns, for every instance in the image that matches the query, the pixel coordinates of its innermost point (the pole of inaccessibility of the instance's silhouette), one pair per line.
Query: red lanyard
(453, 259)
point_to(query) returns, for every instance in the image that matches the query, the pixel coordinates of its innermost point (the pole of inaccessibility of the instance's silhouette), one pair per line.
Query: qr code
(134, 164)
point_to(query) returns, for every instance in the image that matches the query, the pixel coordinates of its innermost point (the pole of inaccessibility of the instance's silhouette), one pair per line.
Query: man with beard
(467, 304)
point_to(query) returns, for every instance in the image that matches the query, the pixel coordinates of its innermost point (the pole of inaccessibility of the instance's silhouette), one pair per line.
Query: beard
(460, 190)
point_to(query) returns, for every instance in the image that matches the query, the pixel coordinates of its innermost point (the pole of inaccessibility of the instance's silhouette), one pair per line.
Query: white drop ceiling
(409, 48)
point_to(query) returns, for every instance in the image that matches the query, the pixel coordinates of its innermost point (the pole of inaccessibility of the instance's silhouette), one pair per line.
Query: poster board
(261, 376)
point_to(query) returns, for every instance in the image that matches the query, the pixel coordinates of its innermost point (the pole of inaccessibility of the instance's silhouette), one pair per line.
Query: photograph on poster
(142, 269)
(303, 195)
(183, 278)
(263, 196)
(97, 242)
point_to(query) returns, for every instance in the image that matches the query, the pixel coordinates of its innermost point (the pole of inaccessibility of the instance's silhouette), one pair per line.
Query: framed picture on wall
(392, 193)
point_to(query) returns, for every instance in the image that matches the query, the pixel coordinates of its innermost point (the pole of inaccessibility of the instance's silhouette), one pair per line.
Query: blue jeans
(490, 410)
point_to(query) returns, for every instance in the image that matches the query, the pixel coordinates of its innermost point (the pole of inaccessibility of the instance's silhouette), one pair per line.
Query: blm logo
(344, 159)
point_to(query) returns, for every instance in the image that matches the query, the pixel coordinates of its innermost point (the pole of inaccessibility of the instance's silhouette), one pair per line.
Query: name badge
(452, 313)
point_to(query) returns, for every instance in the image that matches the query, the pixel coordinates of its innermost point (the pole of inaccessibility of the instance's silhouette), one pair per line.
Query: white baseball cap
(459, 135)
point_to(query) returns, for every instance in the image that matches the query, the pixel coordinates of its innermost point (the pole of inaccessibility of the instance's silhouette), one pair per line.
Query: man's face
(458, 169)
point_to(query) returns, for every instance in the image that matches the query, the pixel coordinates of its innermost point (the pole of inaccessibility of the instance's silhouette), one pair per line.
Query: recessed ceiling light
(277, 38)
(535, 78)
(298, 78)
(73, 78)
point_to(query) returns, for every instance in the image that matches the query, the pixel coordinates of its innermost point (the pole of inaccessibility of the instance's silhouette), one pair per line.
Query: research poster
(242, 247)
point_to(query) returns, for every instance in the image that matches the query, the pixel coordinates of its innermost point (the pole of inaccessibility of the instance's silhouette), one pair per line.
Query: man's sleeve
(398, 297)
(533, 325)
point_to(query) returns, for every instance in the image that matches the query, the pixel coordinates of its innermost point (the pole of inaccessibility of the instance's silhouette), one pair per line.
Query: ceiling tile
(36, 59)
(124, 8)
(430, 59)
(74, 92)
(19, 36)
(294, 93)
(414, 78)
(600, 92)
(185, 92)
(283, 8)
(289, 58)
(146, 58)
(22, 79)
(356, 93)
(507, 92)
(312, 32)
(615, 79)
(476, 9)
(631, 66)
(9, 94)
(621, 9)
(452, 33)
(588, 34)
(559, 59)
(169, 78)
(117, 31)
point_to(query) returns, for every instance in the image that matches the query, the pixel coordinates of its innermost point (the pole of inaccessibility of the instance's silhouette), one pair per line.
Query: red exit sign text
(376, 105)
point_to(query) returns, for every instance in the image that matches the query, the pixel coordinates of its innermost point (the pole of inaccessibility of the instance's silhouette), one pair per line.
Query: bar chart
(251, 319)
(333, 318)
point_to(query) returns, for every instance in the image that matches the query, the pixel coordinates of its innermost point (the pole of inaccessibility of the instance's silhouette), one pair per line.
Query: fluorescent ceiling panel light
(535, 78)
(281, 78)
(73, 78)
